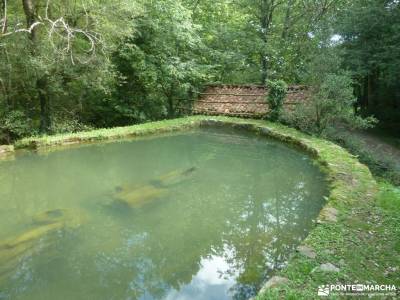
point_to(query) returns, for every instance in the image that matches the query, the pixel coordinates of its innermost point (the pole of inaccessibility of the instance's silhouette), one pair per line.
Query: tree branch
(59, 27)
(3, 21)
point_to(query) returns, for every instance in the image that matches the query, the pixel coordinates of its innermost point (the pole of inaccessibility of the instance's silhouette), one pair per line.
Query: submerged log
(71, 218)
(30, 235)
(138, 196)
(48, 217)
(36, 238)
(15, 249)
(173, 178)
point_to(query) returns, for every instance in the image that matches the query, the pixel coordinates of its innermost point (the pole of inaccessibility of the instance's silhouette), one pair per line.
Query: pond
(208, 213)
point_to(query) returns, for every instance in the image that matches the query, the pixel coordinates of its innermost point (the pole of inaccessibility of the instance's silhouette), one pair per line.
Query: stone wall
(242, 100)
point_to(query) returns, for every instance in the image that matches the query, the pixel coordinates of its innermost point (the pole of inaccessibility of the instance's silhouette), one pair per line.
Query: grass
(104, 134)
(365, 246)
(364, 242)
(382, 160)
(389, 197)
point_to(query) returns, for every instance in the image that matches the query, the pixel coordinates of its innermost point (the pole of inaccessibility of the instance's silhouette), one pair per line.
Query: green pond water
(204, 214)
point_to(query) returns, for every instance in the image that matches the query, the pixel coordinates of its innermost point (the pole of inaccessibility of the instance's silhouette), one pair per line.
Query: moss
(105, 134)
(352, 194)
(389, 197)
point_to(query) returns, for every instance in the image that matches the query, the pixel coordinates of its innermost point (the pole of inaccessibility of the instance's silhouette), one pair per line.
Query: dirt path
(381, 144)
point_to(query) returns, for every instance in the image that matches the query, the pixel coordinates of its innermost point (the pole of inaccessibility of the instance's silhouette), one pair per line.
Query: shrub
(330, 106)
(67, 124)
(276, 97)
(14, 125)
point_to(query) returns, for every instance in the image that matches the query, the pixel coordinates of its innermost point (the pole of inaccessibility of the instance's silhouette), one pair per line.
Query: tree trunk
(286, 24)
(264, 68)
(370, 91)
(171, 108)
(3, 15)
(364, 92)
(264, 38)
(45, 121)
(266, 8)
(30, 14)
(41, 82)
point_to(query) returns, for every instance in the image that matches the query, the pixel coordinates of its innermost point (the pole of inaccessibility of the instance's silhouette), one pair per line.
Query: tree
(251, 41)
(63, 49)
(331, 103)
(370, 34)
(72, 65)
(277, 91)
(161, 63)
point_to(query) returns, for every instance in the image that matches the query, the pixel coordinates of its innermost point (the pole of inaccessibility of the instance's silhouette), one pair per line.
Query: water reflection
(211, 281)
(216, 235)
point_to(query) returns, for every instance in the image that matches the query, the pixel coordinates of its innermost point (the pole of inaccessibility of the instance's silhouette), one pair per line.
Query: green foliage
(67, 124)
(332, 103)
(277, 91)
(370, 30)
(14, 125)
(159, 66)
(47, 71)
(133, 61)
(240, 38)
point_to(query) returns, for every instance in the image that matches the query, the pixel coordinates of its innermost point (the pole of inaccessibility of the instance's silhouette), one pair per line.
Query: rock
(243, 126)
(71, 141)
(274, 282)
(328, 252)
(328, 268)
(264, 131)
(307, 251)
(342, 262)
(6, 149)
(389, 271)
(211, 122)
(328, 214)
